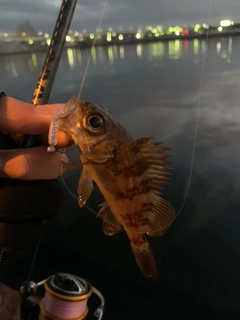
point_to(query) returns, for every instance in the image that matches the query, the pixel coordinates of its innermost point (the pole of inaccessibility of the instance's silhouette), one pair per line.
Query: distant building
(25, 29)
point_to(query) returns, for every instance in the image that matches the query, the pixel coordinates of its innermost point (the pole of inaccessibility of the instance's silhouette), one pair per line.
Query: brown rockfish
(129, 172)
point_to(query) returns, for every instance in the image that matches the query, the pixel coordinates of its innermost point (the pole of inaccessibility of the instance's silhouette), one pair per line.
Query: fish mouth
(65, 118)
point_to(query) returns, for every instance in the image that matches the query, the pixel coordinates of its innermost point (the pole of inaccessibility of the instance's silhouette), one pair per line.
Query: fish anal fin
(156, 233)
(144, 256)
(85, 187)
(160, 216)
(110, 224)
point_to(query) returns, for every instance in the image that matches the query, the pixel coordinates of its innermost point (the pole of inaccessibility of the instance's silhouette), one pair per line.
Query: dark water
(170, 91)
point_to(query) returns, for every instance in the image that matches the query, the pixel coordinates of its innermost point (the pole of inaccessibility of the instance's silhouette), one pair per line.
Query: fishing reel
(65, 298)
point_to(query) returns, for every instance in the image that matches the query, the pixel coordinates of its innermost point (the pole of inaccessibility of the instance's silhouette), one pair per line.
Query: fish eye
(94, 123)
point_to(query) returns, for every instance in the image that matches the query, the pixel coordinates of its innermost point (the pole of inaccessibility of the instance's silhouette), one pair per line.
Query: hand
(32, 163)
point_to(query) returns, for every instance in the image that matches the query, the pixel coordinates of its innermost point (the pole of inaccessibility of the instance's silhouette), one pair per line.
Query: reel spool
(65, 298)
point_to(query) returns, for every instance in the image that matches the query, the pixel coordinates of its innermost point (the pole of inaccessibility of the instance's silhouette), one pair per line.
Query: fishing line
(196, 121)
(197, 112)
(90, 54)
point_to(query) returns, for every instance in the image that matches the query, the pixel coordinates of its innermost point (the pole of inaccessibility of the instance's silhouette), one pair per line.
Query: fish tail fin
(144, 256)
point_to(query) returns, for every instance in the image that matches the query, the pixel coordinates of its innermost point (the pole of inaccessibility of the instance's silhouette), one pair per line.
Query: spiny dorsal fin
(156, 161)
(110, 224)
(160, 214)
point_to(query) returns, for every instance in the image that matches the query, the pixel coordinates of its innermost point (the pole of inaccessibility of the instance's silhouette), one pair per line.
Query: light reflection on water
(154, 90)
(16, 65)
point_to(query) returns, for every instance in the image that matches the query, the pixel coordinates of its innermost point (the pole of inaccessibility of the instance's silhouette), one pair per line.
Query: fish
(129, 172)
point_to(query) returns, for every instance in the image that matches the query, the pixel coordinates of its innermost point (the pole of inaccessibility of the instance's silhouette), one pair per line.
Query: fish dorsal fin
(85, 187)
(160, 214)
(110, 224)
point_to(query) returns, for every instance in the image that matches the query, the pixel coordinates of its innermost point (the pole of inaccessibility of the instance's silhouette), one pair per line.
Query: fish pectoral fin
(160, 217)
(110, 224)
(67, 165)
(85, 187)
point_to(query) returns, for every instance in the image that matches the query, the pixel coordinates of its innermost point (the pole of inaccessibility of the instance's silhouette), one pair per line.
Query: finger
(30, 164)
(63, 139)
(25, 118)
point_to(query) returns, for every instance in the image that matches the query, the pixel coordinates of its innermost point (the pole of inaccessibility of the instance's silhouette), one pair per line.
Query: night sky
(42, 14)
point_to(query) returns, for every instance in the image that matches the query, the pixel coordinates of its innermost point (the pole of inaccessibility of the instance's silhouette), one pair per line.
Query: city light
(197, 27)
(154, 30)
(138, 35)
(177, 30)
(131, 35)
(226, 23)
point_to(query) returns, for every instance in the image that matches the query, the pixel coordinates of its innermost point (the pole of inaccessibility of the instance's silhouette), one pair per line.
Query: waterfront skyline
(42, 15)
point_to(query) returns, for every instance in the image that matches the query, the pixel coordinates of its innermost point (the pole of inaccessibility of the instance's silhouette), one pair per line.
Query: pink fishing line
(63, 309)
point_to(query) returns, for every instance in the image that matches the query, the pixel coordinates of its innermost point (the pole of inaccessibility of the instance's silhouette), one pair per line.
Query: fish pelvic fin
(144, 256)
(85, 187)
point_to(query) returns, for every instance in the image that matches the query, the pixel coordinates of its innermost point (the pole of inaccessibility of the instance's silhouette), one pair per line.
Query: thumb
(30, 164)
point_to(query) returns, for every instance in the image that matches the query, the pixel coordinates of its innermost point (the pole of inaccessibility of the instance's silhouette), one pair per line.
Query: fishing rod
(65, 295)
(45, 82)
(24, 205)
